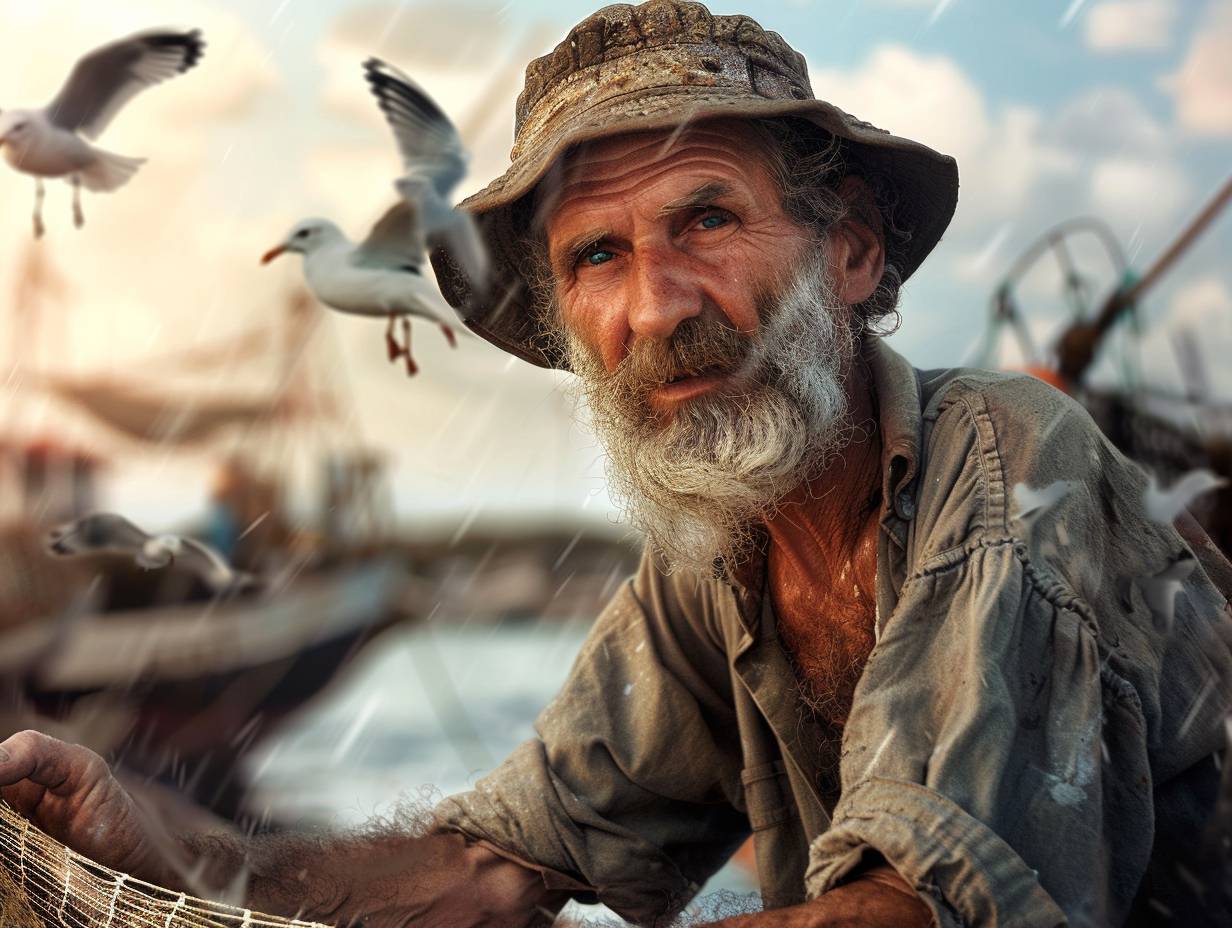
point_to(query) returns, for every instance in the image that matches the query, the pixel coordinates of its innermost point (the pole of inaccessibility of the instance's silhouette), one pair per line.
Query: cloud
(1131, 191)
(1130, 25)
(1202, 86)
(1001, 154)
(435, 35)
(1109, 121)
(1200, 302)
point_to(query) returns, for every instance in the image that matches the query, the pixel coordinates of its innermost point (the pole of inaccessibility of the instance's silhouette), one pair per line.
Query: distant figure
(51, 142)
(382, 276)
(105, 532)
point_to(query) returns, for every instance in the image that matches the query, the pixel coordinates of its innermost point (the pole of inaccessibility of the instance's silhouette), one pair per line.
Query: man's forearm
(441, 879)
(877, 898)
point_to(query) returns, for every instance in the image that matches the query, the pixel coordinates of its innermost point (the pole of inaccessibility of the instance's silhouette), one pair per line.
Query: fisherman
(914, 631)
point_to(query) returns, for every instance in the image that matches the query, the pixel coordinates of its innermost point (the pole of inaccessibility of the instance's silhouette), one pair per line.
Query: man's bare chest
(826, 619)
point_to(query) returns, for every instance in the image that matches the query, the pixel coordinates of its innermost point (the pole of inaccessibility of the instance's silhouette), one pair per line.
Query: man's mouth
(686, 386)
(709, 370)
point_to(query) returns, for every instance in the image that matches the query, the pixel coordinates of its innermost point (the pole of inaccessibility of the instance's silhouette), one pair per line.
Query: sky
(1117, 109)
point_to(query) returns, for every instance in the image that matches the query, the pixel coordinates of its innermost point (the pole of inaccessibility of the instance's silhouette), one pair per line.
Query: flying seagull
(105, 532)
(383, 275)
(1159, 591)
(1032, 504)
(52, 141)
(1165, 505)
(380, 276)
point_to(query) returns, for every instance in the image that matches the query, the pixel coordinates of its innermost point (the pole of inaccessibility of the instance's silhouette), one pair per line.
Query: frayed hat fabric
(656, 66)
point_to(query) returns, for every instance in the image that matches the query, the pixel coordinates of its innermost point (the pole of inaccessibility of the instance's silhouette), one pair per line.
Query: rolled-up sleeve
(1025, 702)
(989, 754)
(629, 787)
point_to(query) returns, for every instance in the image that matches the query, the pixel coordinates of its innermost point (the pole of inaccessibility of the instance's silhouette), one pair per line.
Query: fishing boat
(150, 667)
(1170, 433)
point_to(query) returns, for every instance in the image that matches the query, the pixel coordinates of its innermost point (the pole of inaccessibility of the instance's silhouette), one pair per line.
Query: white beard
(698, 483)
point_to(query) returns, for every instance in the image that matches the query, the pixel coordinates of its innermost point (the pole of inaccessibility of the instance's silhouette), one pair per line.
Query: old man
(913, 631)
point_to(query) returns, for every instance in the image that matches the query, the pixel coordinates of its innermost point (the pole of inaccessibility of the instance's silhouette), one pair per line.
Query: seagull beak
(273, 253)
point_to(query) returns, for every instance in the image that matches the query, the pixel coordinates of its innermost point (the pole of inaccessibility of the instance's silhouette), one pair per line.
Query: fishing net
(44, 884)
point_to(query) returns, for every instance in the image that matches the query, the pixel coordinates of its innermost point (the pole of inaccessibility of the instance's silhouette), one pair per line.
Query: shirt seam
(1042, 579)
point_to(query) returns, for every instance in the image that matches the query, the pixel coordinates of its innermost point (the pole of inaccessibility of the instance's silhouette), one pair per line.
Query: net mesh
(44, 884)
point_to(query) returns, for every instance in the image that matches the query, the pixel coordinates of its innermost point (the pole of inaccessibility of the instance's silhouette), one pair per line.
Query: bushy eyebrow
(704, 195)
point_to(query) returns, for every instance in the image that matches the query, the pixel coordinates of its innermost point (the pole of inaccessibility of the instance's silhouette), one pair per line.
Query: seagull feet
(39, 228)
(449, 336)
(79, 218)
(397, 351)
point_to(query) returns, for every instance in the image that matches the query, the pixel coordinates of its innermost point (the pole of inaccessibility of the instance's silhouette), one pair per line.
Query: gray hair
(807, 163)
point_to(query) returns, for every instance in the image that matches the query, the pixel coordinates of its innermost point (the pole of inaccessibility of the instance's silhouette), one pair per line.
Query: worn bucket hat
(655, 66)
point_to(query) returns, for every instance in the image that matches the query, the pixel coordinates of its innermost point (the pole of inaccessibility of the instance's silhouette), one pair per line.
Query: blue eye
(598, 257)
(713, 221)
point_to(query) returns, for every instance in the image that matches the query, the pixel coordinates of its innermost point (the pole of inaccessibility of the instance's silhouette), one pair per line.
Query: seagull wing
(394, 241)
(428, 141)
(107, 78)
(1032, 504)
(208, 564)
(461, 239)
(110, 530)
(1159, 591)
(1166, 505)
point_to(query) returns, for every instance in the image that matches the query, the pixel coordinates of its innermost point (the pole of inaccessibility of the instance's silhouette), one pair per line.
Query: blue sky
(1114, 108)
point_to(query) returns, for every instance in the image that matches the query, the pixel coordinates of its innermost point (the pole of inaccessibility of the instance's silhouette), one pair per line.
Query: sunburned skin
(634, 252)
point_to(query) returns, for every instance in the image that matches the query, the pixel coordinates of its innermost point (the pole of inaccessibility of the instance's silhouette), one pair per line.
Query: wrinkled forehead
(730, 147)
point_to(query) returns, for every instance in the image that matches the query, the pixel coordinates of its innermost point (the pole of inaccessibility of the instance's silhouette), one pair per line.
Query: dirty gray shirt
(1033, 741)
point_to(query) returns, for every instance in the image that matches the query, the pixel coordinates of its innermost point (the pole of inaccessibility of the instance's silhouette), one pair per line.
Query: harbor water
(423, 711)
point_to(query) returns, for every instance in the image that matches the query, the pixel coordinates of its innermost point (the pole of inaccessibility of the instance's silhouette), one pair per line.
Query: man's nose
(664, 294)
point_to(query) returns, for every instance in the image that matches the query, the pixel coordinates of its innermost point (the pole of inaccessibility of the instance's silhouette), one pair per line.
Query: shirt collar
(897, 387)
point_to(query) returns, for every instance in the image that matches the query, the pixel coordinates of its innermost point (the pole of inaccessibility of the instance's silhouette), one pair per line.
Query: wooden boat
(146, 666)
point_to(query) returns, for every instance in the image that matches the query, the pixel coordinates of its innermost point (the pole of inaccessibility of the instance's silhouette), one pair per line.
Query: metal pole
(1077, 346)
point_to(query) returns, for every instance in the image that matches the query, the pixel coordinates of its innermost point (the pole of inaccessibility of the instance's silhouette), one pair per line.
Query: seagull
(106, 532)
(52, 141)
(383, 274)
(1032, 504)
(380, 276)
(1165, 505)
(1159, 591)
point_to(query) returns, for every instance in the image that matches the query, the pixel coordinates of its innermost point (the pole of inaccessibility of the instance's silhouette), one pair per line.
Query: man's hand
(68, 791)
(877, 898)
(439, 880)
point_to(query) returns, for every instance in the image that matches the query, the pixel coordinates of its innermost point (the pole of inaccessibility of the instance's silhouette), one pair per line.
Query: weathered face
(649, 231)
(705, 329)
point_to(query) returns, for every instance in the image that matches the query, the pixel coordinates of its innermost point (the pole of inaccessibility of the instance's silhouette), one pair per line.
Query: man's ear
(857, 244)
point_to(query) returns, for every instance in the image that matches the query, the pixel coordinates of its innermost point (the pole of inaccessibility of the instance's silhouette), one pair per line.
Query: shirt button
(906, 506)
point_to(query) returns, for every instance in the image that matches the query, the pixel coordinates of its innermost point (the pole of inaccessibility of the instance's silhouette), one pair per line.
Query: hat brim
(926, 184)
